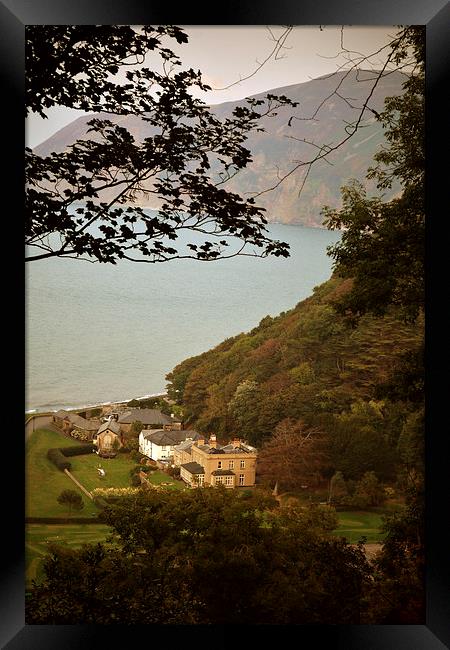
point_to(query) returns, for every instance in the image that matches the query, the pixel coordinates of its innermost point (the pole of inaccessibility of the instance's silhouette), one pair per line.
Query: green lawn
(158, 477)
(44, 482)
(84, 469)
(353, 524)
(38, 536)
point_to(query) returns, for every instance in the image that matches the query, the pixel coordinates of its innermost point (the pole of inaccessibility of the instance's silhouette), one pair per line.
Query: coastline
(45, 409)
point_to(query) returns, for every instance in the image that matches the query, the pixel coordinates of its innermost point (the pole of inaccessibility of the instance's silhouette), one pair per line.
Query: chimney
(200, 441)
(212, 440)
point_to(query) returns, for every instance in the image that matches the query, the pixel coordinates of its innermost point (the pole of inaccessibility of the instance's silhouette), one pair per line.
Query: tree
(382, 244)
(184, 162)
(71, 499)
(135, 429)
(176, 557)
(293, 456)
(244, 408)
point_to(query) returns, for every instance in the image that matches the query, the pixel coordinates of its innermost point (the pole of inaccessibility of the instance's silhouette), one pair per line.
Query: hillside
(278, 149)
(306, 364)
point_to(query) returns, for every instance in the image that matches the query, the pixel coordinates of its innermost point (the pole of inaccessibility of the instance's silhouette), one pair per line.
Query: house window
(241, 479)
(228, 480)
(200, 479)
(242, 465)
(219, 464)
(219, 480)
(231, 464)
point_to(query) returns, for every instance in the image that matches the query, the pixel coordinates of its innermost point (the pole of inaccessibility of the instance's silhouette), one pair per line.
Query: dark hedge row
(58, 456)
(58, 459)
(61, 520)
(78, 450)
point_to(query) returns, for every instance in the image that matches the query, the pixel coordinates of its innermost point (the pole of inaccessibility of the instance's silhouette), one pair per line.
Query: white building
(158, 444)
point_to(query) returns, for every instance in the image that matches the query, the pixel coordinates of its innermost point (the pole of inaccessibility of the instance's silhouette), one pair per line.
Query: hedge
(62, 520)
(58, 459)
(100, 502)
(78, 450)
(58, 456)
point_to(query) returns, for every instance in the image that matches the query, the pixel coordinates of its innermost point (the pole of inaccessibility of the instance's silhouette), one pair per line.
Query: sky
(226, 54)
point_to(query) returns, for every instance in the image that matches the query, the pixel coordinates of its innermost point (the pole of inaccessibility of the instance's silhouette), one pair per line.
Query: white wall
(154, 451)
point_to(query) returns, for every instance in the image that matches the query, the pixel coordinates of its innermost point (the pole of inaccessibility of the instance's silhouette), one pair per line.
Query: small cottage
(108, 438)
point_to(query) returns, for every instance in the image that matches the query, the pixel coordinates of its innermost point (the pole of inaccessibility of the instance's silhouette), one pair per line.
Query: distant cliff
(277, 150)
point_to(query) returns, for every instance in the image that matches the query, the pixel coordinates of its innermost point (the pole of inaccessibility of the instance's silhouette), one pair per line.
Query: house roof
(111, 425)
(193, 468)
(184, 446)
(61, 414)
(82, 423)
(161, 437)
(146, 416)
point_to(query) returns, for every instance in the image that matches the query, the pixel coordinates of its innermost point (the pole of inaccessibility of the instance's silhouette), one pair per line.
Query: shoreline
(43, 409)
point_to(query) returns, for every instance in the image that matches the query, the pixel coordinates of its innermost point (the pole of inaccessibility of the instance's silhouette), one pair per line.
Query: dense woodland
(331, 391)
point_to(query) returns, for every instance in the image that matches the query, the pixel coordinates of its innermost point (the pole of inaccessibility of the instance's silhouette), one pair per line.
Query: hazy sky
(225, 54)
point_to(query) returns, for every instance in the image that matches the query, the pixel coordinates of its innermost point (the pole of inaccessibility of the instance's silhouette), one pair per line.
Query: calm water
(98, 333)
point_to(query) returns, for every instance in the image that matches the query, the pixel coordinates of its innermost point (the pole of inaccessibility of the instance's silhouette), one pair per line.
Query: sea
(99, 333)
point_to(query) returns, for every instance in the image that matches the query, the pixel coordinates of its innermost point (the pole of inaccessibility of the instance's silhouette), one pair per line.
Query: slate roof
(146, 416)
(193, 468)
(61, 414)
(184, 446)
(82, 423)
(162, 437)
(112, 426)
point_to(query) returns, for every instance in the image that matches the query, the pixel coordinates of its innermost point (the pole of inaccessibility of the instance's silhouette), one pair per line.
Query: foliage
(301, 365)
(71, 499)
(78, 450)
(158, 403)
(293, 456)
(382, 243)
(184, 163)
(135, 429)
(399, 577)
(368, 492)
(58, 459)
(177, 557)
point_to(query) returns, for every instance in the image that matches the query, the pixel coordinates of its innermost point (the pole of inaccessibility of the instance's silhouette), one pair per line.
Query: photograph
(225, 376)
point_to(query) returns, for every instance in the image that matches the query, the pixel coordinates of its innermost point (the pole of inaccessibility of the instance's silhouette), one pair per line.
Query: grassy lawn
(158, 477)
(354, 524)
(44, 482)
(38, 536)
(117, 469)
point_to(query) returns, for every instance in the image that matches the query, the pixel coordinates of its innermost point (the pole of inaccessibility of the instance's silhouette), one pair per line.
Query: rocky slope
(277, 151)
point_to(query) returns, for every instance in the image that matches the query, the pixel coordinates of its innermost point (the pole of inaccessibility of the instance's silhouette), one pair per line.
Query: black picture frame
(14, 16)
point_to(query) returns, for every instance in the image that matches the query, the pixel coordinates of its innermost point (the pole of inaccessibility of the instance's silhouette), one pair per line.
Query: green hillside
(306, 364)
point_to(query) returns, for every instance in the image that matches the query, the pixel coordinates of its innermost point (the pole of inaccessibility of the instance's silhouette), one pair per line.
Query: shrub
(174, 472)
(135, 480)
(57, 458)
(139, 468)
(71, 499)
(100, 502)
(114, 492)
(78, 450)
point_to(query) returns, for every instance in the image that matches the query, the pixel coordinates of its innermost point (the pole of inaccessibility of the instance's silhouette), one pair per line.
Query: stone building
(206, 463)
(108, 438)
